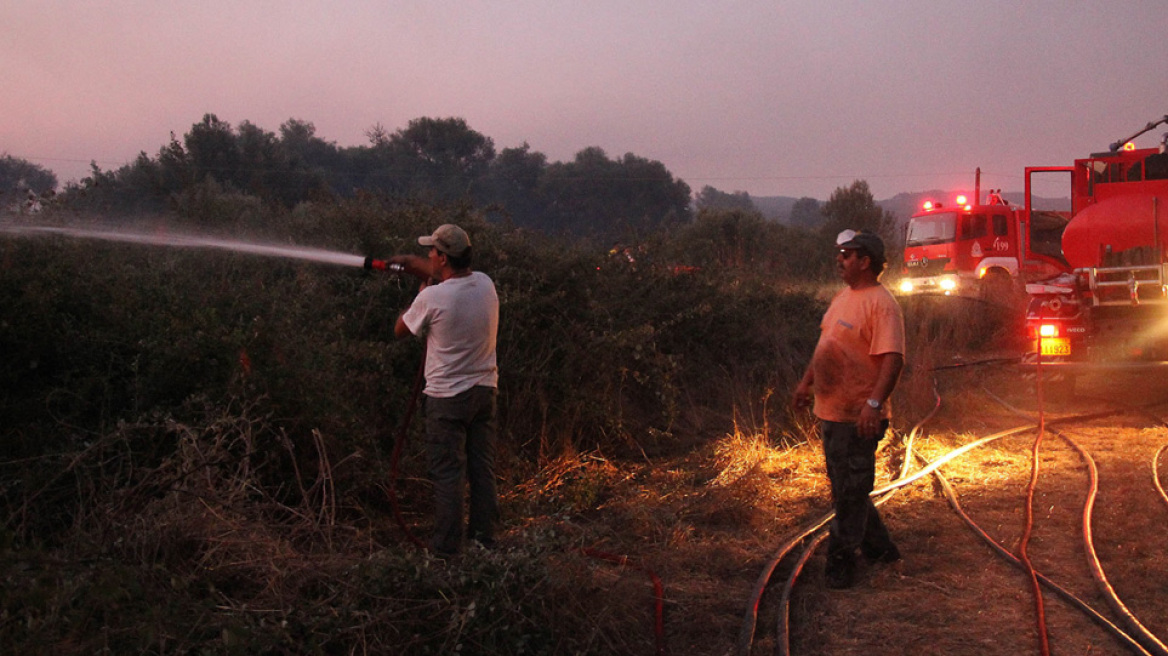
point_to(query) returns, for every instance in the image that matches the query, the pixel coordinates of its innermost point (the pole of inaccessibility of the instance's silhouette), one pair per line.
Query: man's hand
(869, 424)
(802, 398)
(416, 266)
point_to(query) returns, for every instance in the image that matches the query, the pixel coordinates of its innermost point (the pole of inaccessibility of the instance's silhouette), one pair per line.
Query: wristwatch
(874, 404)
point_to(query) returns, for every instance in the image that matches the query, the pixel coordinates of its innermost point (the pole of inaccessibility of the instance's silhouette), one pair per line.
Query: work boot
(840, 571)
(889, 554)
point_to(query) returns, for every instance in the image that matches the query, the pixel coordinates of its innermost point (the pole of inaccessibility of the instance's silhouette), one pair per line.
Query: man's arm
(891, 365)
(400, 329)
(802, 398)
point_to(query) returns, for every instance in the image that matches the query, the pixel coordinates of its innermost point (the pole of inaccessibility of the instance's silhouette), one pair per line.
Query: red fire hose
(398, 444)
(658, 590)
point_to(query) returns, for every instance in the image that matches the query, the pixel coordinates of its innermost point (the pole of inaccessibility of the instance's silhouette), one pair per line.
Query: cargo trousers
(460, 447)
(851, 468)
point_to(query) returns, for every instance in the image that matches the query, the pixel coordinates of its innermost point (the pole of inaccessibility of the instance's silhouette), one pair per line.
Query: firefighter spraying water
(456, 312)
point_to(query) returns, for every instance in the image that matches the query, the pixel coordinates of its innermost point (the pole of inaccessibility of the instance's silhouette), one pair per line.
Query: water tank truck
(1111, 306)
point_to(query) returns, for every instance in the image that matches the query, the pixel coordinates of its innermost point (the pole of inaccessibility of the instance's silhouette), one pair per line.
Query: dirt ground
(707, 523)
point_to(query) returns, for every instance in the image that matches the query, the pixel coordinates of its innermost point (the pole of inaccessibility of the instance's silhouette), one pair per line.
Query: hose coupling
(382, 265)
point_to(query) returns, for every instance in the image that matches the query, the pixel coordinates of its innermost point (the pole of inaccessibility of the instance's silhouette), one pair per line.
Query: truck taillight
(1048, 330)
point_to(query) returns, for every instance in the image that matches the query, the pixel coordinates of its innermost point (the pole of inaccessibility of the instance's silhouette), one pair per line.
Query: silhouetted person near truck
(853, 371)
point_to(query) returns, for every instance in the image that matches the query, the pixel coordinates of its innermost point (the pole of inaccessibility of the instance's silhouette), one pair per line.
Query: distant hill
(903, 205)
(775, 208)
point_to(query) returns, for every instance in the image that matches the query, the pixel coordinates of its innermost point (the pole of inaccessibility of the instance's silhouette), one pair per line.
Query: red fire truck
(976, 249)
(1112, 305)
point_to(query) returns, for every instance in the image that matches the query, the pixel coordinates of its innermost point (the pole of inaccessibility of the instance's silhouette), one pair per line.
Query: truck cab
(975, 249)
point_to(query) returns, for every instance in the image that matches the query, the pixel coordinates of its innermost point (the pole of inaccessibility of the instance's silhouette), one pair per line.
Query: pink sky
(775, 98)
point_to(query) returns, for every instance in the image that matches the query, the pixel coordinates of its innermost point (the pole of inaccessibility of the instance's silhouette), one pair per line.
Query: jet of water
(190, 241)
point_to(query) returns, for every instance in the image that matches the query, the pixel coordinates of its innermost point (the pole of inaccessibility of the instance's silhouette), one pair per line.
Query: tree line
(434, 161)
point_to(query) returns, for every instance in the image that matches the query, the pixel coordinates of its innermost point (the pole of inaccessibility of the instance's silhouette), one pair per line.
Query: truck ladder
(1130, 285)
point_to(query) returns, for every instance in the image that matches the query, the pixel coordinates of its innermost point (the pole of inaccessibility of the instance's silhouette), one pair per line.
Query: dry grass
(239, 542)
(269, 570)
(714, 515)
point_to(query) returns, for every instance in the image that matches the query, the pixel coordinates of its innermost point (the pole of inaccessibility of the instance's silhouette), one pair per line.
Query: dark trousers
(851, 467)
(460, 447)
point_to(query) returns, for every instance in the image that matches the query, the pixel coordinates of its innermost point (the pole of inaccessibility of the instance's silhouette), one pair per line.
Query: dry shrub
(219, 508)
(236, 541)
(745, 450)
(756, 474)
(571, 482)
(739, 454)
(950, 332)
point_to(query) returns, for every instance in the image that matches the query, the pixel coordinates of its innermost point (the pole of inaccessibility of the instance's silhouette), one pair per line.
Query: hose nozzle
(382, 265)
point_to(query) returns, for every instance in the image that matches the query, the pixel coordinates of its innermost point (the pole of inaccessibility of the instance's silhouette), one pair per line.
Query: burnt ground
(707, 522)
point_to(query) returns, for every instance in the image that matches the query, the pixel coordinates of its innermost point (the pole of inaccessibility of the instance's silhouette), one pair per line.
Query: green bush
(594, 352)
(217, 425)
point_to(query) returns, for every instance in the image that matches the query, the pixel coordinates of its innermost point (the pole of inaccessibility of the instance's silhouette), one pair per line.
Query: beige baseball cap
(448, 238)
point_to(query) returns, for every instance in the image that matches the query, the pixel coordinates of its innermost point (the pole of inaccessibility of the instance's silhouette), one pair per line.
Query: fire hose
(746, 633)
(1145, 640)
(658, 590)
(398, 444)
(404, 431)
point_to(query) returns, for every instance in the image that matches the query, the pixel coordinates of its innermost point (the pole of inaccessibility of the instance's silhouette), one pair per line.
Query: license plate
(1056, 346)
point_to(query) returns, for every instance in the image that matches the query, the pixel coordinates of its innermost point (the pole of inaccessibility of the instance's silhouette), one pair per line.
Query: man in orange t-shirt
(856, 365)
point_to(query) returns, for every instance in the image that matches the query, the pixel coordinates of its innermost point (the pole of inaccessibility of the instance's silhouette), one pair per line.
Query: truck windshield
(936, 228)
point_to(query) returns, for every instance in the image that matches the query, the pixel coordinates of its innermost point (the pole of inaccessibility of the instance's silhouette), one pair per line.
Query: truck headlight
(906, 286)
(948, 283)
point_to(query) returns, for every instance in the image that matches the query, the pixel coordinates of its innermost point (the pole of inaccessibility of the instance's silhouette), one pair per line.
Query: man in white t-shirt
(457, 312)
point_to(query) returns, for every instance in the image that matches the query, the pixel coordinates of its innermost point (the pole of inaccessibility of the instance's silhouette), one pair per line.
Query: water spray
(192, 241)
